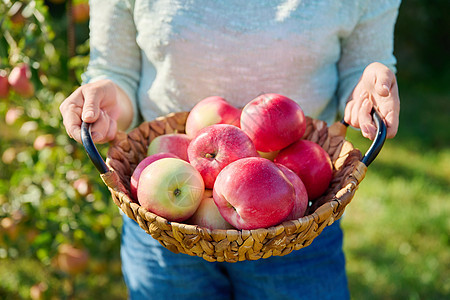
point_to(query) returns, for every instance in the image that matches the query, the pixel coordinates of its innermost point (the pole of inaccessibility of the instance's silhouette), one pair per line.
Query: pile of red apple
(233, 168)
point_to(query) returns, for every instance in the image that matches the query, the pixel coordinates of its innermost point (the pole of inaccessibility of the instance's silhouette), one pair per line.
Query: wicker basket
(127, 150)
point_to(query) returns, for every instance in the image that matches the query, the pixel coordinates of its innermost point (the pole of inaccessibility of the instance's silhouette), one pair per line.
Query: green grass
(397, 226)
(17, 276)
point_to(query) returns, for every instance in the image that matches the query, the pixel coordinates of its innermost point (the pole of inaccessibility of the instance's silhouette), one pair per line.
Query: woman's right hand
(96, 103)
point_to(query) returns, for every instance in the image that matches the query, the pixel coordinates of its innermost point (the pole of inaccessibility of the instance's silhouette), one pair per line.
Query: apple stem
(177, 192)
(231, 206)
(210, 155)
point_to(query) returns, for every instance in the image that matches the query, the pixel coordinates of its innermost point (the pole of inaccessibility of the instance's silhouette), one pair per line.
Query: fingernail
(88, 114)
(386, 87)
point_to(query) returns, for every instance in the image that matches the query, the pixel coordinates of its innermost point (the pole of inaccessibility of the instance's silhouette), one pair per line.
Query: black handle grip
(377, 143)
(91, 150)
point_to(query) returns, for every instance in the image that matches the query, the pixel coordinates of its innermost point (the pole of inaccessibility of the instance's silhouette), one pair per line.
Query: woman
(150, 58)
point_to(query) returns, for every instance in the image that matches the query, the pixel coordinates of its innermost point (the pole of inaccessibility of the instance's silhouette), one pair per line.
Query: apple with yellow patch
(174, 143)
(170, 188)
(210, 111)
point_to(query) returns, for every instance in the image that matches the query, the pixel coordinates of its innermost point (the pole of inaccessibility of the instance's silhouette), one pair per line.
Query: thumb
(384, 81)
(91, 106)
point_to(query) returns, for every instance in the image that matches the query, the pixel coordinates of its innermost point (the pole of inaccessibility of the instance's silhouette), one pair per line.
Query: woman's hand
(376, 88)
(102, 103)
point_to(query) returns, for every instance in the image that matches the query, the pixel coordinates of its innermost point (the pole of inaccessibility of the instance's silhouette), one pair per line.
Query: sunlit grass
(397, 226)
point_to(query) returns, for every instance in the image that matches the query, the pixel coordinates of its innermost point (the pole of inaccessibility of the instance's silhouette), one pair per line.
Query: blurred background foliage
(60, 233)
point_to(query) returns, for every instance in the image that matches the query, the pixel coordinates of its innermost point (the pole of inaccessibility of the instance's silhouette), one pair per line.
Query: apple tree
(51, 198)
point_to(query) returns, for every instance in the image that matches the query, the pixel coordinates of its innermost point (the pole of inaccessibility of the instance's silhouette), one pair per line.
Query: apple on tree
(301, 195)
(72, 260)
(134, 180)
(210, 111)
(311, 163)
(4, 84)
(19, 80)
(170, 188)
(80, 12)
(37, 291)
(175, 143)
(208, 215)
(273, 122)
(253, 193)
(215, 147)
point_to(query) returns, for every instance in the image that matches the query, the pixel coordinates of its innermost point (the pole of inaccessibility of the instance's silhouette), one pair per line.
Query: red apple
(15, 14)
(134, 180)
(301, 195)
(273, 122)
(9, 155)
(72, 260)
(80, 12)
(210, 111)
(4, 84)
(19, 80)
(311, 163)
(208, 215)
(175, 143)
(37, 291)
(13, 114)
(9, 227)
(215, 147)
(82, 186)
(44, 141)
(170, 188)
(253, 193)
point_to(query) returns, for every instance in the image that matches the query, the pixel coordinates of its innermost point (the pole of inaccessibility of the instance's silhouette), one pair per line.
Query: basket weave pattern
(127, 150)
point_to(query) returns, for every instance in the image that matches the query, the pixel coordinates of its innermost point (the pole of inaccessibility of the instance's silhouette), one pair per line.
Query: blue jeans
(153, 272)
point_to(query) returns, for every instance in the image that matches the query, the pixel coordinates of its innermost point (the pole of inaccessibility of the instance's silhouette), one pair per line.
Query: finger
(357, 95)
(368, 129)
(71, 109)
(355, 114)
(100, 128)
(384, 81)
(74, 99)
(91, 107)
(72, 123)
(75, 133)
(348, 111)
(112, 131)
(389, 109)
(392, 128)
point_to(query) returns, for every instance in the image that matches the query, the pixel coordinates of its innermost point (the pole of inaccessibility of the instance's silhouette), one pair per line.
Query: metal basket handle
(91, 150)
(378, 142)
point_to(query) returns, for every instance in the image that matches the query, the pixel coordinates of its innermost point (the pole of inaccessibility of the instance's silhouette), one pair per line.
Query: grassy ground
(397, 225)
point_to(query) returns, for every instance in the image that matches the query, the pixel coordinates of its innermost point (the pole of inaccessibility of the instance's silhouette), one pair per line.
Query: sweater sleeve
(114, 53)
(372, 40)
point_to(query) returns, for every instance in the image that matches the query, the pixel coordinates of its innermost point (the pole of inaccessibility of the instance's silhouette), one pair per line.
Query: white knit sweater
(169, 54)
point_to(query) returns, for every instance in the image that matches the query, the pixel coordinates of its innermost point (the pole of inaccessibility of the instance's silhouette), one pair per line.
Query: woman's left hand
(376, 88)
